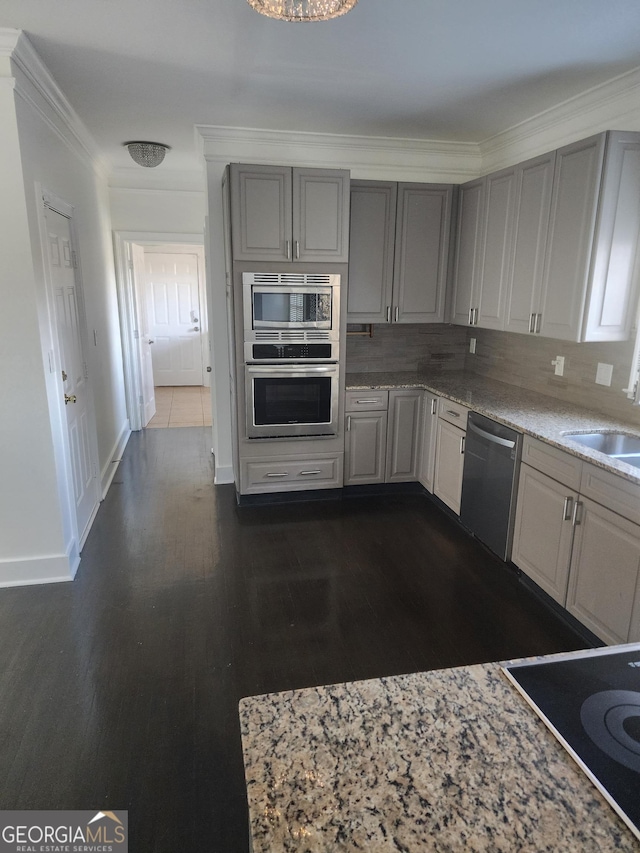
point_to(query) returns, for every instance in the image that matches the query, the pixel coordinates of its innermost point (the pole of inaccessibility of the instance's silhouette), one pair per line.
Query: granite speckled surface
(535, 414)
(441, 761)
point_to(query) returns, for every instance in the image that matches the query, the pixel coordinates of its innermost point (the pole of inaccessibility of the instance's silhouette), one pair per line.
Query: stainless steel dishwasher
(490, 482)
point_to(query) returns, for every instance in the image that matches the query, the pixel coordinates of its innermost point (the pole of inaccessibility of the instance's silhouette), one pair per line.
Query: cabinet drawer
(283, 474)
(610, 490)
(453, 413)
(562, 466)
(366, 401)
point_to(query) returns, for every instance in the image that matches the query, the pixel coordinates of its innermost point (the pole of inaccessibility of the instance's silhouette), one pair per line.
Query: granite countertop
(440, 761)
(543, 417)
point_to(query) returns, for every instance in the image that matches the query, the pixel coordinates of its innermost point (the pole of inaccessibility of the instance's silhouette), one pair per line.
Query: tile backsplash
(526, 361)
(423, 347)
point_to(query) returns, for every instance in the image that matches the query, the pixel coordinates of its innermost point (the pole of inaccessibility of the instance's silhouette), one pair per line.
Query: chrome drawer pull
(309, 473)
(362, 402)
(454, 414)
(577, 514)
(433, 406)
(285, 474)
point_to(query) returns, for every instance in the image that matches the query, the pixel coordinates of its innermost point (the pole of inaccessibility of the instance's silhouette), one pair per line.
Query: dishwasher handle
(495, 439)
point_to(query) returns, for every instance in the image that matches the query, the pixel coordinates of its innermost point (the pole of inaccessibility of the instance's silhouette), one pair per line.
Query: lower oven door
(291, 400)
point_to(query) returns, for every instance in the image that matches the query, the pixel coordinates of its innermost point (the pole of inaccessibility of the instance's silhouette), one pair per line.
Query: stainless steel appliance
(489, 482)
(301, 302)
(591, 702)
(291, 400)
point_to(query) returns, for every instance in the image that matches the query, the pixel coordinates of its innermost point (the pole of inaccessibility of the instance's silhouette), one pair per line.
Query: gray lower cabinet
(544, 505)
(583, 554)
(429, 437)
(279, 213)
(382, 436)
(399, 252)
(451, 430)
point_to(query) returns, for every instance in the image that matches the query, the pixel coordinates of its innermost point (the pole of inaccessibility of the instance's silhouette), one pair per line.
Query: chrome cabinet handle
(462, 438)
(433, 406)
(538, 323)
(577, 513)
(567, 509)
(309, 473)
(388, 313)
(287, 244)
(362, 402)
(297, 249)
(283, 474)
(348, 423)
(475, 316)
(397, 313)
(452, 413)
(471, 316)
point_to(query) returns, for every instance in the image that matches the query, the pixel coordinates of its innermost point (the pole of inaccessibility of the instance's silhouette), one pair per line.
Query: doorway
(163, 312)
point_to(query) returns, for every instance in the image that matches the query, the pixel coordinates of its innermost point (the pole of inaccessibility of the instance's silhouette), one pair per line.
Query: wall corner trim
(50, 568)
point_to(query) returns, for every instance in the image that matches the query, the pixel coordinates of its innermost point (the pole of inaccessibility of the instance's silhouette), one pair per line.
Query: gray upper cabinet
(371, 251)
(399, 252)
(575, 240)
(534, 182)
(284, 214)
(483, 250)
(466, 282)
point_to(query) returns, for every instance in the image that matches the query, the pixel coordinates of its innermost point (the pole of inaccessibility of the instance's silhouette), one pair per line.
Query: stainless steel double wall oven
(292, 354)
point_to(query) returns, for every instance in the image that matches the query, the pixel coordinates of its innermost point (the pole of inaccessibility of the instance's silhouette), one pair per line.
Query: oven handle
(291, 368)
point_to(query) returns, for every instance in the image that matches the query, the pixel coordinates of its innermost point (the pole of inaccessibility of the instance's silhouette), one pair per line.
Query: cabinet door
(365, 448)
(423, 227)
(468, 251)
(428, 449)
(574, 206)
(261, 212)
(543, 531)
(605, 571)
(371, 251)
(500, 196)
(403, 438)
(321, 215)
(447, 484)
(533, 203)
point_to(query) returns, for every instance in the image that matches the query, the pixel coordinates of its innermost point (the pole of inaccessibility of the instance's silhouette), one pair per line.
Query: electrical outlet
(558, 363)
(472, 345)
(604, 374)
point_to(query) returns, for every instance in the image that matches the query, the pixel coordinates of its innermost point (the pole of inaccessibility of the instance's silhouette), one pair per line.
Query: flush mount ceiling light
(302, 10)
(148, 154)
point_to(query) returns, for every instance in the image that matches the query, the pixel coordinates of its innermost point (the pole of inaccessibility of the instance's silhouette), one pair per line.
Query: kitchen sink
(618, 445)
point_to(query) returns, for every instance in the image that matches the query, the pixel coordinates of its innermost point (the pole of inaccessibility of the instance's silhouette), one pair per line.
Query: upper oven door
(284, 307)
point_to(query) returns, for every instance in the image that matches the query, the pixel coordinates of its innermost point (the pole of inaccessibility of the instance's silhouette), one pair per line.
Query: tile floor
(182, 406)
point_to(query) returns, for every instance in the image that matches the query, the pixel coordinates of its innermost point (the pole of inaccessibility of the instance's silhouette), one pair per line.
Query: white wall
(41, 149)
(169, 211)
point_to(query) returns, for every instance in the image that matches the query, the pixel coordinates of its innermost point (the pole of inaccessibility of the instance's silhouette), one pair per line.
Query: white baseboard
(223, 474)
(109, 470)
(52, 568)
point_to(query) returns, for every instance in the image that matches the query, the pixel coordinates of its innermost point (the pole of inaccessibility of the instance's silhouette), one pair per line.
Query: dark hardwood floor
(120, 690)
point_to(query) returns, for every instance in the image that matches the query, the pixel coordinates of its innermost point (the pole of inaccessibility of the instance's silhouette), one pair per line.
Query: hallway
(120, 690)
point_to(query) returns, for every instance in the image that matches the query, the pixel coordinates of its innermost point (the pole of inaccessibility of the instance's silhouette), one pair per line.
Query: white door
(77, 399)
(144, 340)
(174, 318)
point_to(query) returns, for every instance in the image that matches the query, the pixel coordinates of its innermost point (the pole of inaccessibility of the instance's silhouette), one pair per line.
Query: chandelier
(149, 154)
(302, 10)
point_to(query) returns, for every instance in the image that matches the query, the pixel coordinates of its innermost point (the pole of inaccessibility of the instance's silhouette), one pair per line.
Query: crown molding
(365, 156)
(37, 86)
(8, 40)
(613, 105)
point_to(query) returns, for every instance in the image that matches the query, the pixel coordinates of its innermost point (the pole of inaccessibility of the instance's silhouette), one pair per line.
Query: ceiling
(426, 69)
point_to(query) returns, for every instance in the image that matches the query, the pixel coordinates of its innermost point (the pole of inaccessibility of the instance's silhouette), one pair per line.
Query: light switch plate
(604, 374)
(558, 363)
(472, 345)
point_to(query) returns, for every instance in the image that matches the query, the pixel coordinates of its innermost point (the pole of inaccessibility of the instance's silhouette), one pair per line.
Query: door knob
(196, 329)
(69, 398)
(151, 341)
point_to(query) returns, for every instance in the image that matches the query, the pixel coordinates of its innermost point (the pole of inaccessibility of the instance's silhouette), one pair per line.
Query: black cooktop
(591, 701)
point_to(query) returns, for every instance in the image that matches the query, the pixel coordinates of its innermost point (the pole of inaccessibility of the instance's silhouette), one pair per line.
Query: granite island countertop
(529, 412)
(444, 761)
